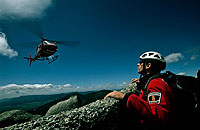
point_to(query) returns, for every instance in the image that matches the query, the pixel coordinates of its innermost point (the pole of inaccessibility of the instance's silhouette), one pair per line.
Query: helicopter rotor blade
(33, 27)
(30, 25)
(29, 44)
(67, 43)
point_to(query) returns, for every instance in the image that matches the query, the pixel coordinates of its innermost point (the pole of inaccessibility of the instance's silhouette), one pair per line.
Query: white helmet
(152, 55)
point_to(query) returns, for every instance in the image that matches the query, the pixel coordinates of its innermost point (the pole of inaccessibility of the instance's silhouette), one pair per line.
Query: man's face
(140, 67)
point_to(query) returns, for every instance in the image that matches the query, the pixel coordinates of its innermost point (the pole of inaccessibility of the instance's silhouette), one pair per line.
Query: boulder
(69, 104)
(15, 116)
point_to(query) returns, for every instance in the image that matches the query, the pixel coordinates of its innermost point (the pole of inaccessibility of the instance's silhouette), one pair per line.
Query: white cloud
(24, 8)
(26, 86)
(181, 73)
(174, 57)
(67, 85)
(194, 57)
(9, 86)
(124, 83)
(15, 90)
(194, 52)
(5, 49)
(36, 86)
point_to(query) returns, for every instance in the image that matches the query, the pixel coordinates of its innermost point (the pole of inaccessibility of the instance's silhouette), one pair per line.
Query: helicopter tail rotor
(30, 59)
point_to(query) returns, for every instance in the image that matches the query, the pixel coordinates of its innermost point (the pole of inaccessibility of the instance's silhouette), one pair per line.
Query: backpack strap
(155, 76)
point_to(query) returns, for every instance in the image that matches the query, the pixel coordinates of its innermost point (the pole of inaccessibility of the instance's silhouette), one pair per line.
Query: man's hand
(115, 94)
(135, 81)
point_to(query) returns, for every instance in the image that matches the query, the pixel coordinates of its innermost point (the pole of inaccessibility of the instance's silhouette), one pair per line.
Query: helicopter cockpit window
(45, 42)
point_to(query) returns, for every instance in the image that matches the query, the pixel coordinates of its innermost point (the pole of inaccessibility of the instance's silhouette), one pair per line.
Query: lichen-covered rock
(101, 114)
(15, 116)
(71, 103)
(130, 88)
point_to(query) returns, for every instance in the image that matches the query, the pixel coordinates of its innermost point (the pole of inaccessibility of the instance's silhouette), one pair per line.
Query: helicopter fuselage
(46, 49)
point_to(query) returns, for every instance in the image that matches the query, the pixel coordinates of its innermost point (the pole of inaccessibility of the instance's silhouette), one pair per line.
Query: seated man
(154, 107)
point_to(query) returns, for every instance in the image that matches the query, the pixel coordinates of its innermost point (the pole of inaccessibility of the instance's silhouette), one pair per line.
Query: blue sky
(112, 34)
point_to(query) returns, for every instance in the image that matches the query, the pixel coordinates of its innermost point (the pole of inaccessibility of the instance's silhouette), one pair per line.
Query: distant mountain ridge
(27, 102)
(39, 104)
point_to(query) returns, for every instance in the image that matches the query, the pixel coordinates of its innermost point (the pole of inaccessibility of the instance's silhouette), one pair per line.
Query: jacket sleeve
(155, 108)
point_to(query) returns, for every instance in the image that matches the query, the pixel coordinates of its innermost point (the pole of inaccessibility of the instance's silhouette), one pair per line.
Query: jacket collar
(143, 80)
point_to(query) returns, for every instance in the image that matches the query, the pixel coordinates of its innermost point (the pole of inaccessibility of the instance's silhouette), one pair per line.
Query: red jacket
(155, 108)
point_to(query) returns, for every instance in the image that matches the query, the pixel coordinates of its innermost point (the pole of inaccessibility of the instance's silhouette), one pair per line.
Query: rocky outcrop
(15, 116)
(71, 103)
(101, 114)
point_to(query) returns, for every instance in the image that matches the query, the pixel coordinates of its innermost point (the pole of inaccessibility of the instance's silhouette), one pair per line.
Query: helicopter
(47, 48)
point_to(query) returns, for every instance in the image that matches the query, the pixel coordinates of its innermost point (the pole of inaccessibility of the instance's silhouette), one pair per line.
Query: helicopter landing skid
(52, 59)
